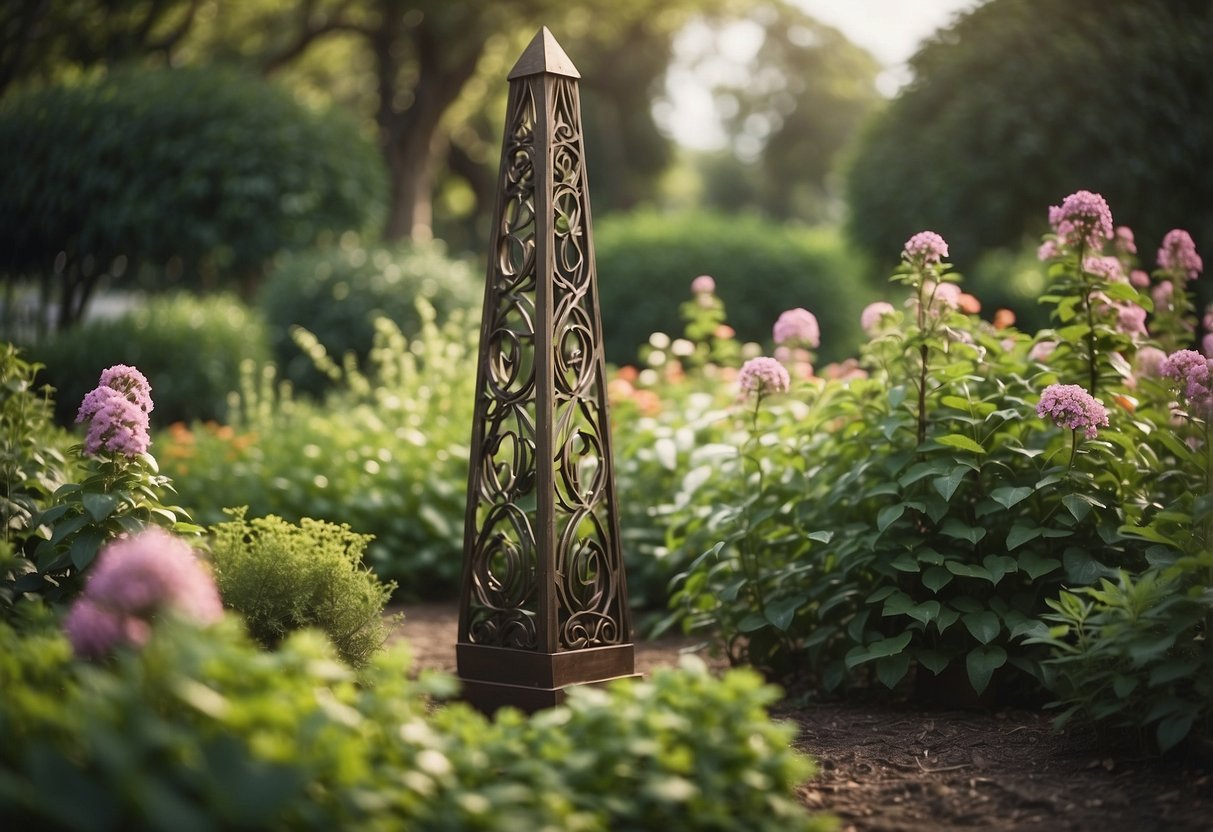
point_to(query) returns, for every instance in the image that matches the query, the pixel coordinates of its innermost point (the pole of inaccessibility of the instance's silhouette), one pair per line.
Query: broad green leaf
(959, 440)
(998, 566)
(889, 515)
(932, 660)
(956, 403)
(878, 649)
(857, 624)
(984, 626)
(967, 570)
(953, 527)
(1123, 685)
(1148, 533)
(892, 669)
(1036, 565)
(85, 546)
(947, 485)
(946, 618)
(1020, 535)
(781, 611)
(1173, 729)
(1077, 506)
(967, 603)
(753, 621)
(981, 663)
(897, 395)
(1082, 567)
(936, 578)
(905, 562)
(926, 554)
(1009, 495)
(821, 536)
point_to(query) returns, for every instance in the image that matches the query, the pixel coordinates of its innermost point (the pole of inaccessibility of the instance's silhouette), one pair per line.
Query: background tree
(788, 112)
(1021, 102)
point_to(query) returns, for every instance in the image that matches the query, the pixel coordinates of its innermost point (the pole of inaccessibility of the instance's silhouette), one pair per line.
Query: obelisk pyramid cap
(544, 55)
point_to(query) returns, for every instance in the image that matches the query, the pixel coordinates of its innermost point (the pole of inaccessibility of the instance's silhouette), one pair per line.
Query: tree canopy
(1021, 102)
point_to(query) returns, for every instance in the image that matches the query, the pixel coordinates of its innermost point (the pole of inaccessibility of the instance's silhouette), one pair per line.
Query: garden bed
(897, 767)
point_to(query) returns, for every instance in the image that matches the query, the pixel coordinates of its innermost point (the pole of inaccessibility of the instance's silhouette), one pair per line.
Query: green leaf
(947, 485)
(1123, 685)
(946, 618)
(1077, 506)
(85, 546)
(959, 440)
(821, 536)
(888, 515)
(1036, 565)
(936, 578)
(877, 650)
(99, 506)
(905, 562)
(897, 395)
(1173, 729)
(967, 570)
(1008, 496)
(1148, 533)
(984, 626)
(953, 527)
(998, 566)
(892, 669)
(1082, 567)
(781, 611)
(932, 660)
(981, 663)
(1171, 670)
(1020, 535)
(753, 621)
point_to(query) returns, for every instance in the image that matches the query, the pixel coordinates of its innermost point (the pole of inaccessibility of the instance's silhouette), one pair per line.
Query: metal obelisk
(543, 601)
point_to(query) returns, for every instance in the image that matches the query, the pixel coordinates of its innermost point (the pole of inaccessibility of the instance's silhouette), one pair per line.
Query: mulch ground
(897, 767)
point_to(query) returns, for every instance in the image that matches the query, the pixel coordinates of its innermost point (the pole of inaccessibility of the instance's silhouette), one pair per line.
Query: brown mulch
(885, 767)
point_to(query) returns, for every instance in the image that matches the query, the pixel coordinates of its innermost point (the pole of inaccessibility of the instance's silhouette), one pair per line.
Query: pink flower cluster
(116, 411)
(925, 248)
(872, 315)
(763, 375)
(134, 579)
(1070, 406)
(797, 327)
(1191, 370)
(703, 285)
(1083, 218)
(1178, 255)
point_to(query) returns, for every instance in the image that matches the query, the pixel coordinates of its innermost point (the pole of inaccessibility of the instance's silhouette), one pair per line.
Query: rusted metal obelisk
(543, 602)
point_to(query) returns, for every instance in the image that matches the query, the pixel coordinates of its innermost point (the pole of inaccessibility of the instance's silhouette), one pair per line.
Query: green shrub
(34, 463)
(647, 261)
(185, 176)
(282, 577)
(190, 349)
(200, 730)
(386, 453)
(336, 294)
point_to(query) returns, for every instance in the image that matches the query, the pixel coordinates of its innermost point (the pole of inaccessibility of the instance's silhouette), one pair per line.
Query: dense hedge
(336, 293)
(190, 349)
(646, 262)
(206, 171)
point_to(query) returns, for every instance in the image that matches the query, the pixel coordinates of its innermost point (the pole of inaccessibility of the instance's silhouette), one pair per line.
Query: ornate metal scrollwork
(541, 548)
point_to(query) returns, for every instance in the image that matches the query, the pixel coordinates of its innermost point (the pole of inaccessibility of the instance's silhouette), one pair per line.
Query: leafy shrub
(200, 730)
(386, 453)
(920, 518)
(34, 463)
(190, 348)
(282, 577)
(336, 293)
(646, 261)
(203, 174)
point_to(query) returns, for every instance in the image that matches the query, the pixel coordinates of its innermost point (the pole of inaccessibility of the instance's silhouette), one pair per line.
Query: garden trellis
(543, 600)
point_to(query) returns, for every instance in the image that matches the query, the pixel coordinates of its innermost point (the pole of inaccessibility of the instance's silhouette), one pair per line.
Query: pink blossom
(1191, 369)
(1149, 361)
(130, 382)
(117, 425)
(1041, 350)
(763, 375)
(1070, 406)
(925, 248)
(948, 294)
(1139, 278)
(1162, 295)
(1124, 242)
(1107, 268)
(1206, 345)
(1130, 319)
(873, 314)
(1083, 218)
(135, 579)
(1048, 250)
(1178, 255)
(703, 285)
(797, 326)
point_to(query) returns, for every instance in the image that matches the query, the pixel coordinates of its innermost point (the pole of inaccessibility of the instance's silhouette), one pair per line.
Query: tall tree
(1021, 102)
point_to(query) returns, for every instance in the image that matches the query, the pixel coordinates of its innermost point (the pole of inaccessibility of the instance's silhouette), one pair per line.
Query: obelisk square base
(497, 677)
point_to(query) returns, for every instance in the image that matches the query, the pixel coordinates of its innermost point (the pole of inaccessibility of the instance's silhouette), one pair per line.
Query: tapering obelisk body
(543, 601)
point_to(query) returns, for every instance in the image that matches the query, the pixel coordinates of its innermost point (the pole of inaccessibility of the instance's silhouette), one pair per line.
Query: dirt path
(888, 767)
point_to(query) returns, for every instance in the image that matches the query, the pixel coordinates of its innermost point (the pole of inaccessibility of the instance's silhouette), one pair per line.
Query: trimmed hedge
(646, 262)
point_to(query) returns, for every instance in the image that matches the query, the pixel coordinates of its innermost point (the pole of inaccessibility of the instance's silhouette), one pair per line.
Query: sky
(890, 29)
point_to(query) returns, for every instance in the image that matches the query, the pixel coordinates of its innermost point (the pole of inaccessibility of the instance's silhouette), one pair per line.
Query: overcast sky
(890, 29)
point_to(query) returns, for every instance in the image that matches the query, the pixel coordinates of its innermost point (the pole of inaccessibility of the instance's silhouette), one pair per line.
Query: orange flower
(1004, 318)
